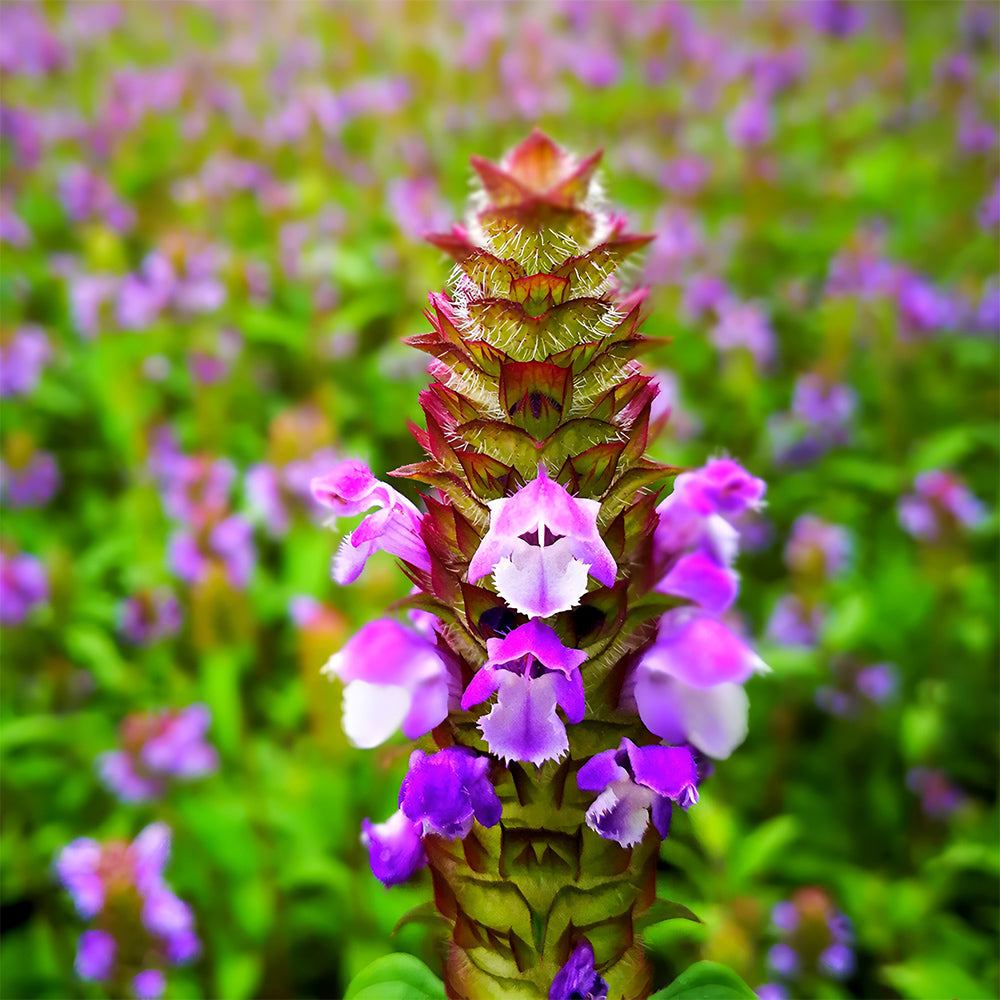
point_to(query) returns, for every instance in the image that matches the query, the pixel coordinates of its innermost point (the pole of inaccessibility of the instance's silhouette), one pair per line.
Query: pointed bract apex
(537, 170)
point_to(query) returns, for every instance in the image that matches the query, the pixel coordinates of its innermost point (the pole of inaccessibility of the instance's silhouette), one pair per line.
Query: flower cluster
(139, 925)
(814, 943)
(939, 507)
(157, 747)
(567, 647)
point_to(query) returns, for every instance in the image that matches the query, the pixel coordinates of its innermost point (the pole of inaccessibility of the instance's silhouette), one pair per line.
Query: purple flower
(195, 488)
(23, 585)
(939, 797)
(939, 504)
(701, 579)
(771, 991)
(533, 673)
(157, 746)
(149, 984)
(922, 307)
(785, 916)
(878, 682)
(395, 848)
(745, 325)
(395, 679)
(634, 782)
(688, 685)
(578, 978)
(95, 955)
(230, 542)
(837, 961)
(77, 867)
(415, 204)
(988, 213)
(144, 295)
(792, 624)
(350, 489)
(264, 494)
(705, 293)
(32, 484)
(541, 545)
(783, 960)
(444, 792)
(86, 196)
(825, 407)
(838, 18)
(149, 616)
(22, 359)
(817, 548)
(751, 123)
(117, 770)
(27, 46)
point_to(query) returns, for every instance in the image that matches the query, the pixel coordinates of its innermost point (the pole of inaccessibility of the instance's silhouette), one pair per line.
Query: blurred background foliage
(211, 211)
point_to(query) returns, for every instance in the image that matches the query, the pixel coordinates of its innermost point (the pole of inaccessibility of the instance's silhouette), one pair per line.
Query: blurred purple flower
(745, 325)
(22, 360)
(817, 548)
(837, 18)
(158, 746)
(416, 206)
(939, 504)
(86, 197)
(32, 484)
(23, 586)
(149, 616)
(939, 797)
(27, 46)
(751, 122)
(791, 624)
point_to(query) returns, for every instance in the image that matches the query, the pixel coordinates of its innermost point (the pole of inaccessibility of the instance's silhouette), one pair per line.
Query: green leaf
(665, 909)
(396, 977)
(933, 977)
(706, 981)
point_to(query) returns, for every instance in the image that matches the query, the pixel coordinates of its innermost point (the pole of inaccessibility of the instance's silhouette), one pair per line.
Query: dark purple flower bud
(23, 586)
(445, 791)
(634, 782)
(22, 359)
(95, 955)
(578, 979)
(395, 848)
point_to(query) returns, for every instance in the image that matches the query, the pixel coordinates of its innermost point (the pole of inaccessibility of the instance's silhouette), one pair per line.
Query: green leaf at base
(706, 981)
(396, 977)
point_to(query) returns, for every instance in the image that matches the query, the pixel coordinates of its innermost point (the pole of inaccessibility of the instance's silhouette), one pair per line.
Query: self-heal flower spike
(541, 552)
(140, 925)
